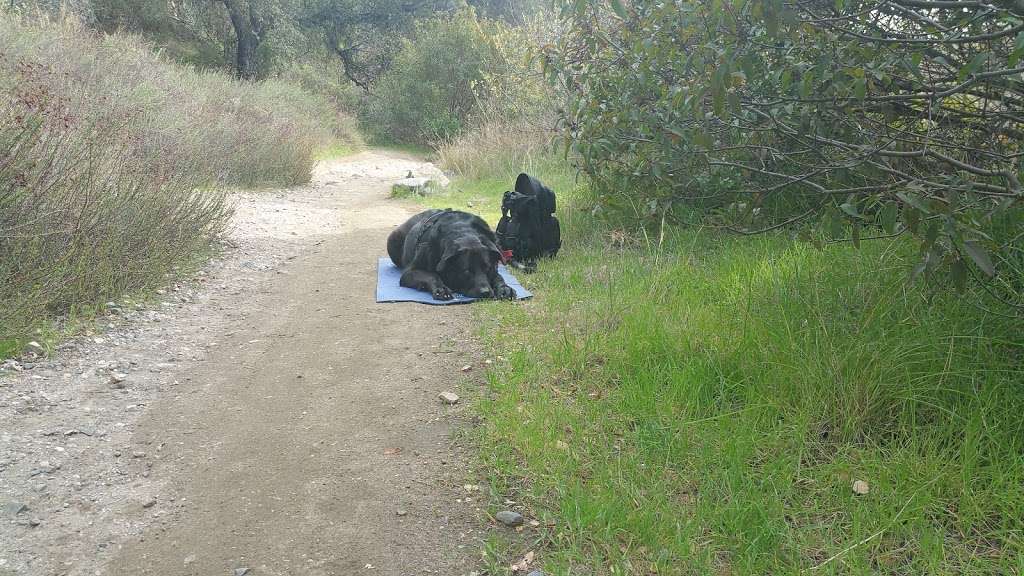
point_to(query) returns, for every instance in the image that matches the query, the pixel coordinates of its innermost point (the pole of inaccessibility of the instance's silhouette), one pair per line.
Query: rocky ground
(264, 417)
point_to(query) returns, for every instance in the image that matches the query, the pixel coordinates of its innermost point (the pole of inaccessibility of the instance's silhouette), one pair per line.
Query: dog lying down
(447, 251)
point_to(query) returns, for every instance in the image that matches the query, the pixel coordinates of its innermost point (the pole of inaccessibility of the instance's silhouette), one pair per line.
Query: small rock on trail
(14, 508)
(117, 380)
(509, 518)
(448, 397)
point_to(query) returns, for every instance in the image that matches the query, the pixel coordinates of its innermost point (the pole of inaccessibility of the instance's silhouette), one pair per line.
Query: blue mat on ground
(388, 289)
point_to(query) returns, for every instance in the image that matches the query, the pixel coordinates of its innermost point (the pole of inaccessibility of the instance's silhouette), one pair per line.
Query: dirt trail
(273, 417)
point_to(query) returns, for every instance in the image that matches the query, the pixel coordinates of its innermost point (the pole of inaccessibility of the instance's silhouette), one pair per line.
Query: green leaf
(771, 20)
(747, 64)
(1018, 49)
(700, 138)
(619, 9)
(860, 88)
(912, 217)
(915, 201)
(931, 234)
(887, 217)
(973, 66)
(835, 225)
(958, 271)
(980, 257)
(850, 209)
(718, 94)
(734, 103)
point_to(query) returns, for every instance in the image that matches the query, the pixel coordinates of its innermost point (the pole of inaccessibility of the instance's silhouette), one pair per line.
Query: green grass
(10, 347)
(337, 150)
(483, 196)
(706, 407)
(406, 148)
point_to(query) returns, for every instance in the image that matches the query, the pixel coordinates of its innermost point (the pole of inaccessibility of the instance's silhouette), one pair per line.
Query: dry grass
(497, 148)
(109, 158)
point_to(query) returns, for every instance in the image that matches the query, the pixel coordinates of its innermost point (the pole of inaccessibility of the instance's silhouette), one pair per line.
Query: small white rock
(448, 397)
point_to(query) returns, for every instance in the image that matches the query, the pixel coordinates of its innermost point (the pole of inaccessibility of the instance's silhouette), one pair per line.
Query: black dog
(446, 251)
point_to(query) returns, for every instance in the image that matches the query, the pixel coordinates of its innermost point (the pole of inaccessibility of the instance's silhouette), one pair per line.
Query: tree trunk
(246, 39)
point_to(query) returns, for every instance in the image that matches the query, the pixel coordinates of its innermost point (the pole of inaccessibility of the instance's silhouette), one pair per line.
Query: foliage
(867, 118)
(705, 407)
(428, 92)
(512, 126)
(365, 34)
(107, 159)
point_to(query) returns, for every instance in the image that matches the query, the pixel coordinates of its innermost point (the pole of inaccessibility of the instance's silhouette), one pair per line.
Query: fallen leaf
(524, 564)
(392, 451)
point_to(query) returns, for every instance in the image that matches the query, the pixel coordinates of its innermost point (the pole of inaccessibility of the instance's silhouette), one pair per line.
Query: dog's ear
(493, 251)
(450, 251)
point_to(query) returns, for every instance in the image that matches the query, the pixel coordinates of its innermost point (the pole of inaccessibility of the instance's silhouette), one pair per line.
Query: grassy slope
(706, 408)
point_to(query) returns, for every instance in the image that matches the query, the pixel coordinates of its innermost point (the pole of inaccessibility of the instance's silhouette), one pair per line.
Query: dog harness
(506, 255)
(427, 224)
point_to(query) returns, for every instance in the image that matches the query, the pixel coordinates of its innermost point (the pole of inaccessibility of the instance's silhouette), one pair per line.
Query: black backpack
(528, 227)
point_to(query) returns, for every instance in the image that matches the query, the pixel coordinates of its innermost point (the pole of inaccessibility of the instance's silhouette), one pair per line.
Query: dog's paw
(505, 293)
(443, 293)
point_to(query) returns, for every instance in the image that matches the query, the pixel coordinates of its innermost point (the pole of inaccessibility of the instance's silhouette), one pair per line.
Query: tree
(366, 34)
(251, 19)
(848, 119)
(428, 93)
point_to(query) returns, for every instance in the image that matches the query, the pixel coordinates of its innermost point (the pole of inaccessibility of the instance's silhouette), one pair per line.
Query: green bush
(862, 119)
(428, 93)
(513, 126)
(109, 158)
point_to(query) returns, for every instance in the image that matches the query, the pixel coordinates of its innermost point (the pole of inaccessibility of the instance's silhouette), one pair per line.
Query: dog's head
(467, 263)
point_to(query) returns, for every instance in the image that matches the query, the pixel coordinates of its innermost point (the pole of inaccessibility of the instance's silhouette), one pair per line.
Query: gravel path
(266, 418)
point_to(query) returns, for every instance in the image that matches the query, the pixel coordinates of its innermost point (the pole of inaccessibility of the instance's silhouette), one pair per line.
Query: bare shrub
(497, 148)
(111, 158)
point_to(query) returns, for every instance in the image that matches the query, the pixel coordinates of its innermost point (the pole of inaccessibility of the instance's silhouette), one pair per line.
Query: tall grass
(500, 148)
(705, 408)
(110, 157)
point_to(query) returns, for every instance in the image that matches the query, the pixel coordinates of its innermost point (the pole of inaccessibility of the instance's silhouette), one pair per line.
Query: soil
(272, 419)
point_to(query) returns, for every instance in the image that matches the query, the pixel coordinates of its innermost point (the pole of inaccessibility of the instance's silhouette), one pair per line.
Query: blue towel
(388, 289)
